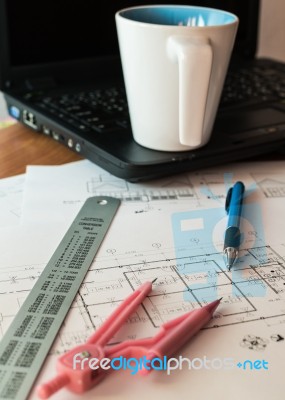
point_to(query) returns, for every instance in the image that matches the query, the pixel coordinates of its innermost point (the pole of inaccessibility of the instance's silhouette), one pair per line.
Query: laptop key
(106, 127)
(124, 123)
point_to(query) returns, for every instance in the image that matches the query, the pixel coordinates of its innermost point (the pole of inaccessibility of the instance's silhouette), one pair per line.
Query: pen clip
(228, 199)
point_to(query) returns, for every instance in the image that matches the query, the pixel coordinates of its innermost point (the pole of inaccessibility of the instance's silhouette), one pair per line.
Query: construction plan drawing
(172, 231)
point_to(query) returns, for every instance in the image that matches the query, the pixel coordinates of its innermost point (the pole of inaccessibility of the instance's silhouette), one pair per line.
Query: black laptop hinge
(46, 82)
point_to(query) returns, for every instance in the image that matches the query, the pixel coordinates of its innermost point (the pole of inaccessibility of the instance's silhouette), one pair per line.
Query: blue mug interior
(184, 16)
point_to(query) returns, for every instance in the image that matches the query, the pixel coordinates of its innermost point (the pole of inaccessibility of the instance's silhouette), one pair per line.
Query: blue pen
(232, 236)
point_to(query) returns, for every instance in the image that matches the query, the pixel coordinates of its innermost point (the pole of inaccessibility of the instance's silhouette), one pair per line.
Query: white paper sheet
(145, 242)
(109, 286)
(54, 194)
(11, 196)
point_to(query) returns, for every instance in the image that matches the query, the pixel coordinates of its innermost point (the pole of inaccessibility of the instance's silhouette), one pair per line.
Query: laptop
(61, 76)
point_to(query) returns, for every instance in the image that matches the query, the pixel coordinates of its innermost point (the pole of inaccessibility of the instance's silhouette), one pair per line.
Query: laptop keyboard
(106, 110)
(259, 84)
(101, 111)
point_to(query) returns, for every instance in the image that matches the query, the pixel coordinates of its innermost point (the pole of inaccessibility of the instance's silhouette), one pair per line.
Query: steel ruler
(27, 341)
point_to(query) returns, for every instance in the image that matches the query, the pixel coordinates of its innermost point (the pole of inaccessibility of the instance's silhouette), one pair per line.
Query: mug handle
(194, 57)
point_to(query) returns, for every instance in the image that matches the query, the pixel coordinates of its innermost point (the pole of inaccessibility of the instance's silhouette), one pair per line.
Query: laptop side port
(46, 130)
(30, 120)
(57, 136)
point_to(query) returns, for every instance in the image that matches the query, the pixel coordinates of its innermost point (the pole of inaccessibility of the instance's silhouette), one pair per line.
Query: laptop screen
(52, 32)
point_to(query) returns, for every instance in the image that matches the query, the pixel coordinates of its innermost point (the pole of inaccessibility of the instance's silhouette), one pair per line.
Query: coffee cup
(174, 60)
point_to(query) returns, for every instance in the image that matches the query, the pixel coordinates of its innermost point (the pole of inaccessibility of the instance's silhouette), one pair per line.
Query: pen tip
(230, 256)
(154, 280)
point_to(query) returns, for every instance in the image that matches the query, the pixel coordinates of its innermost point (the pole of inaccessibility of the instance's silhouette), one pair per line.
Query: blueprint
(272, 185)
(184, 282)
(73, 184)
(243, 326)
(171, 230)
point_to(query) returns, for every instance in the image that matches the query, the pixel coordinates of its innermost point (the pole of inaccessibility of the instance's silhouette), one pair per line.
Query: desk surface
(20, 146)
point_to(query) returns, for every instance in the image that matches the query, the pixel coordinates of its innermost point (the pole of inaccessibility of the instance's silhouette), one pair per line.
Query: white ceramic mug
(175, 60)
